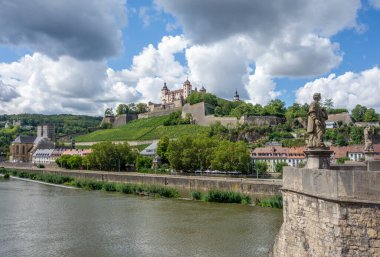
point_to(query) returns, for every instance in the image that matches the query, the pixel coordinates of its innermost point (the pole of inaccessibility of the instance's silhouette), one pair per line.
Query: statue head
(317, 96)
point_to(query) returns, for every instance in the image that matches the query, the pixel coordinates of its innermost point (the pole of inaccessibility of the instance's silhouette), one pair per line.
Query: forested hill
(66, 124)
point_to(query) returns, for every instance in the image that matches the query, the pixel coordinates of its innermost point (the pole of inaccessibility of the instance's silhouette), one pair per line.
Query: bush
(227, 197)
(273, 202)
(6, 176)
(196, 195)
(342, 160)
(109, 187)
(41, 166)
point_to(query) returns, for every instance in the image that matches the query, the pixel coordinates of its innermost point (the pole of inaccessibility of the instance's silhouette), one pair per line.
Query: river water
(41, 220)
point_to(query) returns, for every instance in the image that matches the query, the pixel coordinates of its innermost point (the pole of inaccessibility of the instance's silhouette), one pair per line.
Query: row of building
(41, 149)
(294, 156)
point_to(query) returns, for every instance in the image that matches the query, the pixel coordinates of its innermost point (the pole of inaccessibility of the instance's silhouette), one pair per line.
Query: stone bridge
(330, 212)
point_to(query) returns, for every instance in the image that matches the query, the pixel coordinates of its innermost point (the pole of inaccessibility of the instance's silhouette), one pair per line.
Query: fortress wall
(329, 213)
(158, 113)
(262, 120)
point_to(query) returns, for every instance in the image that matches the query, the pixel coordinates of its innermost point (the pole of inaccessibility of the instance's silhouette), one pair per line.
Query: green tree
(275, 107)
(108, 112)
(261, 167)
(370, 115)
(162, 147)
(356, 135)
(74, 162)
(229, 156)
(142, 108)
(358, 113)
(122, 109)
(143, 162)
(279, 167)
(111, 157)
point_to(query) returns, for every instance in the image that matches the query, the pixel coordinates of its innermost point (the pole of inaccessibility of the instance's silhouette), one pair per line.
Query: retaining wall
(185, 184)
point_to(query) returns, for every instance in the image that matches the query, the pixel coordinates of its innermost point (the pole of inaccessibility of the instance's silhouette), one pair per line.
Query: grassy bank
(136, 189)
(142, 129)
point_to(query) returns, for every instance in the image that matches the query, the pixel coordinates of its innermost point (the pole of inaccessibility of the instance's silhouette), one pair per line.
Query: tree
(142, 108)
(356, 135)
(275, 107)
(111, 157)
(229, 156)
(162, 147)
(358, 113)
(328, 103)
(143, 162)
(74, 162)
(279, 167)
(122, 109)
(261, 167)
(370, 115)
(108, 112)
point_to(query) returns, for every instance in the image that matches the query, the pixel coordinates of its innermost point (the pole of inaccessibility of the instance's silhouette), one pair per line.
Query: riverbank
(255, 188)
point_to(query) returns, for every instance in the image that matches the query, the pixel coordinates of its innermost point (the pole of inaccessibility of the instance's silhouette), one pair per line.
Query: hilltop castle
(174, 99)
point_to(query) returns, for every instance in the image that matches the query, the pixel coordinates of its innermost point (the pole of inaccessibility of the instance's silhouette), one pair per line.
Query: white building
(42, 156)
(151, 150)
(292, 156)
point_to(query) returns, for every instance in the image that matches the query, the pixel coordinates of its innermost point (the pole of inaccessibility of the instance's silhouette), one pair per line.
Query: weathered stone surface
(329, 213)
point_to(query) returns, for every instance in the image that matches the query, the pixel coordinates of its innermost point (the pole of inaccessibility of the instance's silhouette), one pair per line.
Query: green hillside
(142, 129)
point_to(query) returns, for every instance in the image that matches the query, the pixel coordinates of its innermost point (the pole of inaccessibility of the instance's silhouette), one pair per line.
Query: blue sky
(81, 57)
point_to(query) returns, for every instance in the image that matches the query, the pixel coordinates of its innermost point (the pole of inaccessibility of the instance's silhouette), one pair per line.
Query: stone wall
(185, 184)
(119, 120)
(329, 213)
(159, 113)
(199, 114)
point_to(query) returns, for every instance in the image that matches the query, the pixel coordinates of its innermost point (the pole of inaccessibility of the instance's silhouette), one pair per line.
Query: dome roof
(164, 87)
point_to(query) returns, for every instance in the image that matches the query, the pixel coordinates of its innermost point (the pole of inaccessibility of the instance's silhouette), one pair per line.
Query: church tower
(187, 88)
(164, 94)
(236, 96)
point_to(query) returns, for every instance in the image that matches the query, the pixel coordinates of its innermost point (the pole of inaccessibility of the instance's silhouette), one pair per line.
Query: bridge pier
(329, 213)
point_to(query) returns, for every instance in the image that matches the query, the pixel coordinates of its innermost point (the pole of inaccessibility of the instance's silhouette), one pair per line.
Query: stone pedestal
(369, 155)
(318, 158)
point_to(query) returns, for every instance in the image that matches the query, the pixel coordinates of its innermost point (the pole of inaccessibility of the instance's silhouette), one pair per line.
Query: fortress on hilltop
(174, 99)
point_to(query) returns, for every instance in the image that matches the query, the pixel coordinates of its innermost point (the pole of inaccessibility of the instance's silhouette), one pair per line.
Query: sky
(80, 57)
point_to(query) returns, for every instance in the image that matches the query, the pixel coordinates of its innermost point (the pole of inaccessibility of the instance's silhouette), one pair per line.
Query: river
(42, 220)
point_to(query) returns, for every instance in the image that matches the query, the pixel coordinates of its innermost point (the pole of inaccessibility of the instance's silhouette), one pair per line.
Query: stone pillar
(318, 158)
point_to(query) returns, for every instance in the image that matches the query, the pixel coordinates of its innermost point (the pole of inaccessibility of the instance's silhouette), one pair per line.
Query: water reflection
(40, 220)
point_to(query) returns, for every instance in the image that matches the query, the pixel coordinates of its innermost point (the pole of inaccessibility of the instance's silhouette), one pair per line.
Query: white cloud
(39, 84)
(346, 90)
(49, 86)
(154, 66)
(281, 38)
(261, 88)
(298, 57)
(221, 67)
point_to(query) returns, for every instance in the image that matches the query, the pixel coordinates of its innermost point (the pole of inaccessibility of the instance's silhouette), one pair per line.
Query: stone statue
(368, 138)
(316, 125)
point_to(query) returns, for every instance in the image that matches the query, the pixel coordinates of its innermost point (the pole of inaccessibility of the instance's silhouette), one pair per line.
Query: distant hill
(142, 129)
(65, 124)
